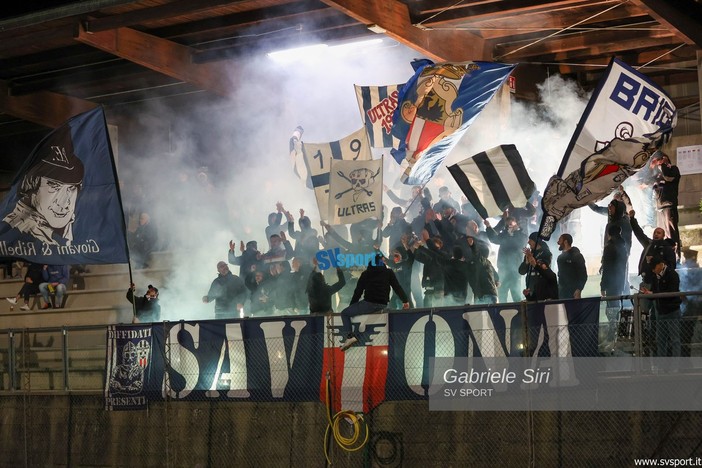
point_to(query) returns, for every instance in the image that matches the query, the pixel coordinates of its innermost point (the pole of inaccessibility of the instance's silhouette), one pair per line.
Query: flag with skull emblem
(318, 157)
(355, 190)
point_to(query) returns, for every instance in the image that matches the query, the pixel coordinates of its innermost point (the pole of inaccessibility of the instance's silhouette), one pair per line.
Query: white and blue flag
(627, 119)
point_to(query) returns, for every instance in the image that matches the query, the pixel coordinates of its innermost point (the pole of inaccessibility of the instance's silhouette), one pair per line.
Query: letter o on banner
(414, 365)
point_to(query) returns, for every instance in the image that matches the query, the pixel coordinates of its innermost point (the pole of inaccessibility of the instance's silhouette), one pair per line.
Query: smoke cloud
(225, 162)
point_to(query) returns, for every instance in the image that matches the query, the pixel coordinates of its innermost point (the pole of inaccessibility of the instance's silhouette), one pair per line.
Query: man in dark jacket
(396, 228)
(665, 190)
(320, 293)
(306, 241)
(433, 258)
(374, 285)
(655, 246)
(666, 280)
(613, 282)
(147, 308)
(401, 262)
(457, 274)
(483, 278)
(618, 216)
(511, 239)
(228, 291)
(572, 271)
(541, 283)
(249, 260)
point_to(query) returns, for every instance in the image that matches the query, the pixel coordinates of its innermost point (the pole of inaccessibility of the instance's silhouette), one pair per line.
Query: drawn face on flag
(436, 91)
(128, 376)
(56, 201)
(48, 193)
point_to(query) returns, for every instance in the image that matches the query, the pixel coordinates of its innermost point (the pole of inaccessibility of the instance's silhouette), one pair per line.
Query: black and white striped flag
(377, 105)
(494, 179)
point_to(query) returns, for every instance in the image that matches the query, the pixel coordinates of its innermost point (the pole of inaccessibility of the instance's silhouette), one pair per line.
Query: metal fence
(52, 413)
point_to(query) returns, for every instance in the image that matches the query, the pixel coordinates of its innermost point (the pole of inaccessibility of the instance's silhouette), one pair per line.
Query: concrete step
(100, 280)
(70, 316)
(159, 261)
(81, 298)
(141, 279)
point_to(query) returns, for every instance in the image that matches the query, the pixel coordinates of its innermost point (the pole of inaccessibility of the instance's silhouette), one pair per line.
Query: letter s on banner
(323, 260)
(186, 363)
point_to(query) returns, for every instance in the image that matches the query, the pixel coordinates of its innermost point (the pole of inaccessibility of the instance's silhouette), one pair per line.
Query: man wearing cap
(228, 291)
(47, 195)
(541, 282)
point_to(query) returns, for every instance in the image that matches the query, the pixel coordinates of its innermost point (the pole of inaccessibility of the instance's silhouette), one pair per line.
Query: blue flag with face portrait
(64, 206)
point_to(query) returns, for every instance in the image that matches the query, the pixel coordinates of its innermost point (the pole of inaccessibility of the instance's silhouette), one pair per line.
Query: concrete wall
(66, 430)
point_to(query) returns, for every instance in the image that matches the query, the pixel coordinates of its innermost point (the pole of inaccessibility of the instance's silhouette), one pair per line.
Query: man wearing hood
(511, 239)
(572, 271)
(432, 257)
(275, 221)
(306, 241)
(616, 216)
(374, 285)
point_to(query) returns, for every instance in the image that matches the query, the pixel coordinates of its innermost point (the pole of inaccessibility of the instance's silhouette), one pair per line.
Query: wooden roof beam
(43, 108)
(613, 48)
(682, 16)
(498, 10)
(162, 56)
(393, 16)
(577, 41)
(160, 12)
(540, 23)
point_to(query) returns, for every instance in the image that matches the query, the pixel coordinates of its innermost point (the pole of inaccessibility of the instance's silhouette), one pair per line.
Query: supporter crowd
(440, 250)
(443, 253)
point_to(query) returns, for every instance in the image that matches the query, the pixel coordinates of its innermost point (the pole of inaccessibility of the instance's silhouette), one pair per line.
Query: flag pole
(421, 190)
(118, 190)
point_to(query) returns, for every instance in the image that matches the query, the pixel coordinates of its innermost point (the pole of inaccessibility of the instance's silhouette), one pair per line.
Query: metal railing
(72, 358)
